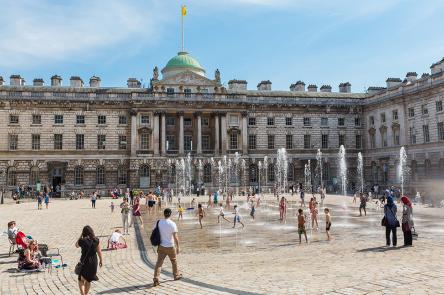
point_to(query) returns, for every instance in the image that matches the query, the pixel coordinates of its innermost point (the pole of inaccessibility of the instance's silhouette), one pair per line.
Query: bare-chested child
(301, 226)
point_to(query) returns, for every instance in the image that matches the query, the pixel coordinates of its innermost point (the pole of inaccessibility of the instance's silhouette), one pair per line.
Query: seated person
(114, 241)
(17, 236)
(28, 258)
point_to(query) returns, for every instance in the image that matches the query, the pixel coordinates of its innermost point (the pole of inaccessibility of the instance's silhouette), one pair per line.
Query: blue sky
(318, 42)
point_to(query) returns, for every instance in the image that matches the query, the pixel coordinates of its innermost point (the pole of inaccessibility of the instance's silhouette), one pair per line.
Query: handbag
(384, 220)
(155, 235)
(79, 265)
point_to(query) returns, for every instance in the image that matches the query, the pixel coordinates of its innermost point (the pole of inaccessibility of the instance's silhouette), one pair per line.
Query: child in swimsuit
(327, 222)
(237, 217)
(301, 226)
(221, 213)
(201, 213)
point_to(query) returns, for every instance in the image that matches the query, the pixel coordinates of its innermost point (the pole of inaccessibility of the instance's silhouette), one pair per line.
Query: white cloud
(35, 32)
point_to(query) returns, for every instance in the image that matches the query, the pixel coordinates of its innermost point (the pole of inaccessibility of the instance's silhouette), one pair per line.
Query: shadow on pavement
(378, 249)
(126, 289)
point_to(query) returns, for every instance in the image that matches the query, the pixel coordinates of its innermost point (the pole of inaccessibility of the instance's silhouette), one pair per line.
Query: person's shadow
(378, 249)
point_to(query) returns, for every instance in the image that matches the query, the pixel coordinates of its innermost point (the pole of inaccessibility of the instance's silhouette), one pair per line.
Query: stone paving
(263, 258)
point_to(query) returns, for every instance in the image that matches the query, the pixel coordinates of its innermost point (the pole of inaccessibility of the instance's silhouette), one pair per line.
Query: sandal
(156, 282)
(178, 277)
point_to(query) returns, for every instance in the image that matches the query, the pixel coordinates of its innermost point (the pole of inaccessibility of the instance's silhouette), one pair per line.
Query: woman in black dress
(90, 249)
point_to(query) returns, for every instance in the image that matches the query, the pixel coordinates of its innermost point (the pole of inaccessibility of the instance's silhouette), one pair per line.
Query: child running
(221, 213)
(327, 222)
(112, 207)
(283, 209)
(201, 213)
(237, 217)
(301, 226)
(253, 210)
(180, 210)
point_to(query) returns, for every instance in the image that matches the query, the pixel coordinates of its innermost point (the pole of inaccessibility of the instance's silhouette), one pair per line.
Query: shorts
(221, 215)
(151, 203)
(302, 230)
(362, 206)
(237, 218)
(327, 226)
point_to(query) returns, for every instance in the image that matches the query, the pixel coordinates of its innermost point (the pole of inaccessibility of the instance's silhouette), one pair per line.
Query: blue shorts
(237, 218)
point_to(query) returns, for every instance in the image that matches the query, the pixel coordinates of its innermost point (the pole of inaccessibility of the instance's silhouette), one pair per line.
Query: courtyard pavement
(263, 258)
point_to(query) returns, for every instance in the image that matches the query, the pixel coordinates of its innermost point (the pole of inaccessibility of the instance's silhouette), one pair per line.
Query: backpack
(155, 235)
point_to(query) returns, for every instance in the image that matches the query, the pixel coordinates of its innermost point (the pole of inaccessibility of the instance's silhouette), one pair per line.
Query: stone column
(223, 122)
(244, 133)
(216, 133)
(156, 138)
(163, 127)
(181, 146)
(198, 115)
(133, 114)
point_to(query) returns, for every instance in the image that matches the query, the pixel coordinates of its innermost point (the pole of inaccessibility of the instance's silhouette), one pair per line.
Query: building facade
(94, 137)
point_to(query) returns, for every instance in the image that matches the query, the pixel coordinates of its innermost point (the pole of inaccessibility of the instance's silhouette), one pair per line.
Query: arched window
(78, 175)
(207, 173)
(100, 175)
(34, 176)
(11, 176)
(270, 172)
(427, 167)
(253, 174)
(144, 176)
(290, 172)
(122, 175)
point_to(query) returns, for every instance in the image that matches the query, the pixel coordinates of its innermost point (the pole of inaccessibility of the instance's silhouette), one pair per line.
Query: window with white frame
(395, 115)
(58, 119)
(289, 141)
(101, 141)
(145, 141)
(100, 175)
(13, 119)
(252, 141)
(251, 121)
(13, 142)
(426, 134)
(36, 119)
(307, 121)
(288, 121)
(58, 141)
(324, 121)
(35, 141)
(80, 141)
(439, 106)
(145, 119)
(101, 119)
(206, 142)
(324, 141)
(270, 121)
(123, 120)
(307, 141)
(233, 141)
(270, 142)
(122, 142)
(78, 175)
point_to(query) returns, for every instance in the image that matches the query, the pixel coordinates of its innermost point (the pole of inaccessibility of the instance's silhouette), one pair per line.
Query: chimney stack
(264, 85)
(345, 87)
(392, 82)
(76, 81)
(298, 86)
(373, 90)
(411, 76)
(56, 81)
(312, 88)
(237, 84)
(38, 82)
(1, 81)
(94, 81)
(325, 88)
(16, 80)
(133, 83)
(437, 67)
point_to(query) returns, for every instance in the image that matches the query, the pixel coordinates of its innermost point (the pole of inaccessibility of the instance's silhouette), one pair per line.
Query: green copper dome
(183, 60)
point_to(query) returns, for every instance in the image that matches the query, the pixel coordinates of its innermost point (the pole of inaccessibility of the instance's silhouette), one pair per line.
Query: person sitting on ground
(114, 241)
(28, 258)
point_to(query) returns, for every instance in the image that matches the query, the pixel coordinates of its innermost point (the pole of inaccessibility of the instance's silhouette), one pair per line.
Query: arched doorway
(144, 176)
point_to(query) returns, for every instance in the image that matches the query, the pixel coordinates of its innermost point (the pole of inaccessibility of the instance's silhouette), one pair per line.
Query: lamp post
(2, 201)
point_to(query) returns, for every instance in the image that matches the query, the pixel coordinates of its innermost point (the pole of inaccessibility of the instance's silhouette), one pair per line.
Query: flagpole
(183, 49)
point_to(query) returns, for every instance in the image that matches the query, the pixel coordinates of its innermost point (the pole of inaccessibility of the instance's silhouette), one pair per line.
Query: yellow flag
(184, 10)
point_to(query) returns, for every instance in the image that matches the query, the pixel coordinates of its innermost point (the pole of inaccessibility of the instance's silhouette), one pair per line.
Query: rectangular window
(122, 142)
(58, 141)
(36, 119)
(187, 92)
(358, 121)
(252, 141)
(101, 119)
(80, 119)
(395, 115)
(341, 140)
(324, 141)
(358, 142)
(270, 121)
(171, 142)
(170, 92)
(101, 141)
(252, 121)
(382, 118)
(13, 119)
(233, 141)
(270, 142)
(145, 141)
(58, 119)
(307, 141)
(439, 106)
(371, 120)
(233, 120)
(341, 122)
(307, 121)
(288, 121)
(411, 112)
(425, 131)
(372, 141)
(384, 138)
(13, 142)
(123, 120)
(35, 141)
(424, 109)
(187, 122)
(188, 142)
(171, 121)
(206, 146)
(441, 131)
(396, 137)
(289, 141)
(324, 122)
(80, 141)
(412, 135)
(145, 119)
(205, 122)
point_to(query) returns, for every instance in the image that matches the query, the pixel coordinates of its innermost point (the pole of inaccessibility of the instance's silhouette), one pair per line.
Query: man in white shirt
(169, 246)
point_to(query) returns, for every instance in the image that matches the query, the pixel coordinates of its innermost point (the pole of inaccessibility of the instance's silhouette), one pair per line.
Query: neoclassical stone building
(88, 137)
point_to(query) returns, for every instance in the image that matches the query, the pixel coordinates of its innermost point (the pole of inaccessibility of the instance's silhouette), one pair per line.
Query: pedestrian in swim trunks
(327, 222)
(301, 226)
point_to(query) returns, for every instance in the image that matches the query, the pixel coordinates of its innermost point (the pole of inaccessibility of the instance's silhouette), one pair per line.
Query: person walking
(125, 210)
(91, 248)
(46, 200)
(407, 221)
(39, 201)
(363, 204)
(136, 211)
(391, 222)
(169, 246)
(93, 200)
